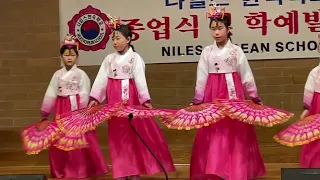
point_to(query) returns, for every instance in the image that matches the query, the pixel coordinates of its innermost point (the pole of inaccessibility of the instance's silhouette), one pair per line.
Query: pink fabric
(128, 154)
(78, 163)
(229, 148)
(310, 153)
(307, 98)
(47, 105)
(44, 114)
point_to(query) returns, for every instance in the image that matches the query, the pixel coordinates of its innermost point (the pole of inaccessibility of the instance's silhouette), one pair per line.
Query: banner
(170, 31)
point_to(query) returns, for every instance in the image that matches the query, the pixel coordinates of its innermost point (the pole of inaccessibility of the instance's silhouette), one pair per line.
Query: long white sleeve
(84, 90)
(247, 78)
(202, 77)
(99, 86)
(140, 79)
(50, 97)
(309, 88)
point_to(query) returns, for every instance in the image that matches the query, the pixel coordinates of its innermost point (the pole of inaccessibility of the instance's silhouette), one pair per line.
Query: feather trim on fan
(141, 112)
(194, 116)
(39, 136)
(84, 120)
(300, 132)
(251, 113)
(69, 142)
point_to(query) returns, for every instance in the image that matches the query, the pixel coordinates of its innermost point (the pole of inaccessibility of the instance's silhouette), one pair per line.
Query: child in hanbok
(121, 78)
(69, 90)
(310, 156)
(227, 149)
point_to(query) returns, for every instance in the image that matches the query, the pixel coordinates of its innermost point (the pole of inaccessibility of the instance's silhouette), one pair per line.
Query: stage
(15, 161)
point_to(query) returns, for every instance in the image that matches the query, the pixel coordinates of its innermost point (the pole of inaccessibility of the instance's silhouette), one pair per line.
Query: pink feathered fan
(39, 136)
(46, 133)
(251, 113)
(142, 112)
(71, 142)
(194, 116)
(85, 120)
(300, 132)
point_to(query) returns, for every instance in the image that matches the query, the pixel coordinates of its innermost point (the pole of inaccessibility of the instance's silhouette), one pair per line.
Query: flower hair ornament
(113, 23)
(217, 14)
(70, 41)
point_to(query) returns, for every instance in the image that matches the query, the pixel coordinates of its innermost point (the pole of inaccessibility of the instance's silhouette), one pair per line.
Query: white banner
(167, 31)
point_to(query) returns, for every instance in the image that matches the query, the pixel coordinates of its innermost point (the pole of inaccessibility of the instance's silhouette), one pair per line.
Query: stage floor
(8, 168)
(15, 161)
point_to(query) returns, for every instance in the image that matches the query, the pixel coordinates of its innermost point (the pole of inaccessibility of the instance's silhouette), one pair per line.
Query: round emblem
(90, 30)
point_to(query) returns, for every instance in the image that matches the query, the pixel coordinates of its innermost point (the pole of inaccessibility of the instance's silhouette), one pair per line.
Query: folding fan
(39, 136)
(87, 119)
(300, 132)
(194, 116)
(251, 113)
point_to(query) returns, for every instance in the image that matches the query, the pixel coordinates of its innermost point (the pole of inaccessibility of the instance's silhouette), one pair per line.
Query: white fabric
(75, 81)
(73, 102)
(227, 60)
(123, 67)
(312, 85)
(125, 89)
(230, 86)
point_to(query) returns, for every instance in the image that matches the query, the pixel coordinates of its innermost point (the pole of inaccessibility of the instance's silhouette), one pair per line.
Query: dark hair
(65, 47)
(126, 31)
(225, 20)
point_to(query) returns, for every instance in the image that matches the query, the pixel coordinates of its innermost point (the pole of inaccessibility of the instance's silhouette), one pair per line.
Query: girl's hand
(43, 124)
(196, 102)
(259, 103)
(257, 100)
(44, 119)
(304, 114)
(148, 105)
(92, 104)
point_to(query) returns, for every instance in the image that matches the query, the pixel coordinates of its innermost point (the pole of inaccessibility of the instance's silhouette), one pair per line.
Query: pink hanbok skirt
(310, 153)
(229, 148)
(129, 156)
(76, 164)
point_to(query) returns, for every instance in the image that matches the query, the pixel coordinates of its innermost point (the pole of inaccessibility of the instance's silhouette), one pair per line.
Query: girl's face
(69, 57)
(219, 31)
(120, 42)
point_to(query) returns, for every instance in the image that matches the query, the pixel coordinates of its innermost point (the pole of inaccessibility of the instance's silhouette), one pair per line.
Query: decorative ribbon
(73, 102)
(125, 89)
(230, 86)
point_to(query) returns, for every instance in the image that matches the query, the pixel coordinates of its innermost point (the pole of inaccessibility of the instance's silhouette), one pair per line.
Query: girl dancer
(69, 90)
(309, 156)
(228, 149)
(122, 78)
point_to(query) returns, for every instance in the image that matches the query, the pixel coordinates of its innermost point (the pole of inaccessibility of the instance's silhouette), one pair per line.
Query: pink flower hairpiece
(215, 13)
(113, 23)
(70, 40)
(218, 14)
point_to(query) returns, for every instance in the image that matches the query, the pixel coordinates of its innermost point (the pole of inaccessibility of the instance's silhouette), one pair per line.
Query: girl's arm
(247, 78)
(84, 90)
(50, 97)
(309, 89)
(140, 80)
(202, 76)
(98, 91)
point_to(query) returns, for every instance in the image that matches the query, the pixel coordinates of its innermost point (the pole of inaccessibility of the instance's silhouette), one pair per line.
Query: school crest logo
(90, 29)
